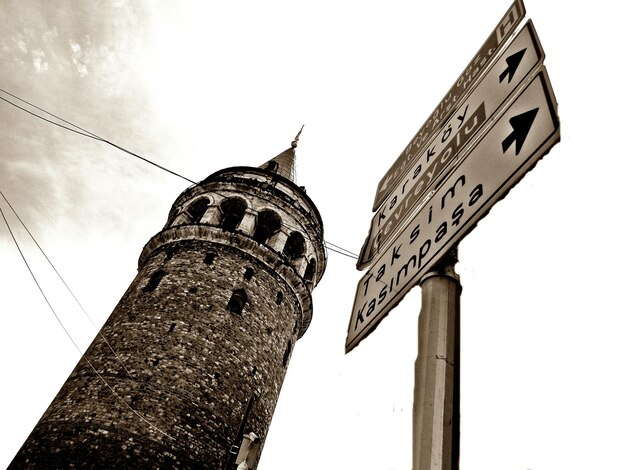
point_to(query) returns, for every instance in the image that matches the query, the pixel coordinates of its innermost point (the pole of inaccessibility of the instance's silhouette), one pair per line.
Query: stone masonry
(202, 337)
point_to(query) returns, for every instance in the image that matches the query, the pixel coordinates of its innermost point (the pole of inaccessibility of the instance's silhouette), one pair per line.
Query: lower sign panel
(492, 166)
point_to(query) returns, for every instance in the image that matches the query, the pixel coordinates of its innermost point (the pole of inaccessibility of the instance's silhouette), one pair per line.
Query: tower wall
(202, 336)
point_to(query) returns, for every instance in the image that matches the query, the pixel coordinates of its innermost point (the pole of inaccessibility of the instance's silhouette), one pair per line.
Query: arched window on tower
(197, 209)
(233, 210)
(309, 274)
(295, 246)
(237, 301)
(267, 224)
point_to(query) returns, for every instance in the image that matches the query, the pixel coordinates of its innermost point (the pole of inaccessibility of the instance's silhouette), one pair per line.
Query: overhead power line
(86, 133)
(67, 333)
(48, 113)
(64, 283)
(342, 251)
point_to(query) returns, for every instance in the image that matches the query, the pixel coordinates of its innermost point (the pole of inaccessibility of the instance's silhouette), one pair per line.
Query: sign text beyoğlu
(463, 84)
(488, 169)
(521, 58)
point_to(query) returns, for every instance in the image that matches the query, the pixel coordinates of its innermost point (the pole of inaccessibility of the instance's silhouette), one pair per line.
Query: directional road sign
(521, 58)
(474, 70)
(488, 168)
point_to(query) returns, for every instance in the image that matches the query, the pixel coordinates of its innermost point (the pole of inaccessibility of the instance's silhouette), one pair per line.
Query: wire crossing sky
(86, 133)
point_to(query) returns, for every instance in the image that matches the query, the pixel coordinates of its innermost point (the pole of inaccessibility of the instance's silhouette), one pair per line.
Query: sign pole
(436, 399)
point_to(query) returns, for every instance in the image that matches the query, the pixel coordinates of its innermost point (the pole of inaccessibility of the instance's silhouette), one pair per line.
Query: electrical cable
(346, 252)
(70, 336)
(48, 113)
(65, 284)
(48, 120)
(339, 252)
(89, 134)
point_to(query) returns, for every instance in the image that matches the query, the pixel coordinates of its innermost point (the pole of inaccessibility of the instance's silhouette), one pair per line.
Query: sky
(200, 86)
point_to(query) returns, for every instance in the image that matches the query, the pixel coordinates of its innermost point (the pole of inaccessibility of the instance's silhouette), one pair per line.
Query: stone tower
(202, 337)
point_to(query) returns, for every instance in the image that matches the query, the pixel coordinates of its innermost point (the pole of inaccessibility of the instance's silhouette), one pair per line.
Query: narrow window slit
(154, 281)
(237, 301)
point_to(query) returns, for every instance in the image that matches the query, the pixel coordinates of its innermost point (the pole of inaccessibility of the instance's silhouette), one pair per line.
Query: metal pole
(234, 448)
(437, 370)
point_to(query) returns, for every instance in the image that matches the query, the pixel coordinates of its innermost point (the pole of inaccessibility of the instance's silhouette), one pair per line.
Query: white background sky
(199, 86)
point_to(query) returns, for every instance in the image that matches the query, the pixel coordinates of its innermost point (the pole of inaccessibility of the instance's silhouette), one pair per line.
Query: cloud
(21, 45)
(39, 60)
(79, 58)
(75, 48)
(49, 37)
(82, 70)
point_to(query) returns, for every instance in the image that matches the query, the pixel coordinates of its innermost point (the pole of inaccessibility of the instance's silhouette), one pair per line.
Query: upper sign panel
(520, 59)
(466, 81)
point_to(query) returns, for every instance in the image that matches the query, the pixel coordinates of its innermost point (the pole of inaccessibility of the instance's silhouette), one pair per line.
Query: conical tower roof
(284, 164)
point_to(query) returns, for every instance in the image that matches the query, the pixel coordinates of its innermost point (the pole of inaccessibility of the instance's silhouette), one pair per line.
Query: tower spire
(294, 144)
(284, 164)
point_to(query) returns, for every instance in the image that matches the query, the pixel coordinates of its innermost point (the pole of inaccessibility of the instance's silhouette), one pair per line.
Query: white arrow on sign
(488, 169)
(521, 58)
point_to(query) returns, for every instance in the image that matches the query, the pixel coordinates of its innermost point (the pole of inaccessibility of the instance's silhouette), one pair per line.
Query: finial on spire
(294, 144)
